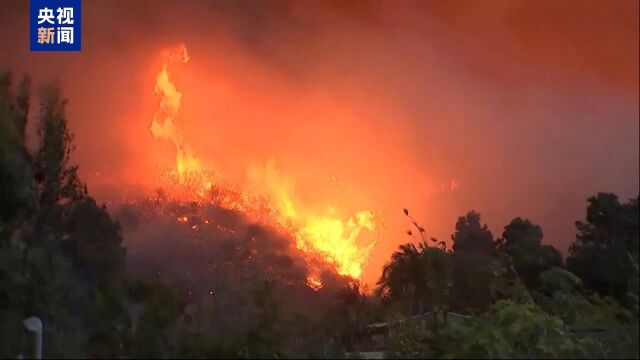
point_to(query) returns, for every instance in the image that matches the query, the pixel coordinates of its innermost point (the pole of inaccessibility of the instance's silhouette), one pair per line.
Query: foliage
(473, 252)
(418, 276)
(521, 240)
(610, 328)
(471, 236)
(17, 192)
(606, 246)
(62, 259)
(157, 321)
(505, 283)
(507, 330)
(404, 277)
(56, 179)
(98, 254)
(558, 279)
(54, 241)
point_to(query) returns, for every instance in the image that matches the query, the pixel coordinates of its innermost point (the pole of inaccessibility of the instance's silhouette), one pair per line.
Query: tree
(349, 314)
(609, 326)
(92, 241)
(17, 193)
(522, 240)
(473, 252)
(57, 180)
(403, 277)
(158, 321)
(472, 237)
(419, 276)
(606, 246)
(61, 254)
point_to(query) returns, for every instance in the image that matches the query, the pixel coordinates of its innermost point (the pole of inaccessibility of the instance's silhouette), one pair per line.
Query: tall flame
(164, 125)
(333, 239)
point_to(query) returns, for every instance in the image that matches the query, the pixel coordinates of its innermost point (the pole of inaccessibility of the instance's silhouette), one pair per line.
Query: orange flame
(333, 239)
(164, 125)
(336, 240)
(314, 283)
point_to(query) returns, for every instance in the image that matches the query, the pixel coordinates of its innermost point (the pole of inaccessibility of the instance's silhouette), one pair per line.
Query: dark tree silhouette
(522, 240)
(606, 246)
(61, 253)
(404, 276)
(473, 252)
(472, 237)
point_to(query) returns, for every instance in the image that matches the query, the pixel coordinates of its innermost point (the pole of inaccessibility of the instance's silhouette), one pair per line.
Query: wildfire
(336, 240)
(164, 125)
(333, 239)
(314, 283)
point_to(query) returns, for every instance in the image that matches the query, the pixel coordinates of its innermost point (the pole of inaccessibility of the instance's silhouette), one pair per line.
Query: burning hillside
(226, 267)
(324, 239)
(191, 245)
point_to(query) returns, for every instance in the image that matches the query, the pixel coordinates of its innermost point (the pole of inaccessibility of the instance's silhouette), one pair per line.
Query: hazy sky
(528, 106)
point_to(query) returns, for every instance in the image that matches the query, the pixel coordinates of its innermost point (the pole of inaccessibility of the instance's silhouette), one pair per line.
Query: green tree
(610, 327)
(507, 330)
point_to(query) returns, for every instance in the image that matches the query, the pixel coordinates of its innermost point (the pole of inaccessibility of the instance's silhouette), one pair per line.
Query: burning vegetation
(184, 274)
(240, 184)
(344, 243)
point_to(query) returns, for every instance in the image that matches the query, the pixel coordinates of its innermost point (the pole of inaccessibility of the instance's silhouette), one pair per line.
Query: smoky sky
(527, 107)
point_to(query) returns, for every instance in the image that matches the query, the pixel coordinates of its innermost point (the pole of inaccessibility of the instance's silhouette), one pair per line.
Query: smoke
(528, 107)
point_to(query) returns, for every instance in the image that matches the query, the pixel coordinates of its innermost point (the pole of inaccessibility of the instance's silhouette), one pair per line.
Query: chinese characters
(50, 30)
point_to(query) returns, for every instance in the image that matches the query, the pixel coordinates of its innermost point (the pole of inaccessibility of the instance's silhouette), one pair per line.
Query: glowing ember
(334, 240)
(314, 283)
